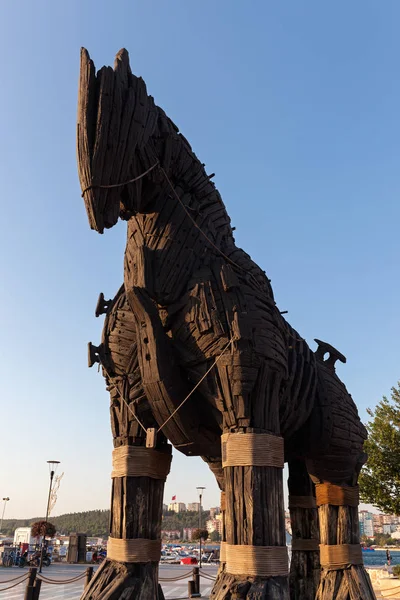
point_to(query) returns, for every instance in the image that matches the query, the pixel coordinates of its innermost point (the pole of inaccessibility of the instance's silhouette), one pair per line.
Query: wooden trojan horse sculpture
(196, 352)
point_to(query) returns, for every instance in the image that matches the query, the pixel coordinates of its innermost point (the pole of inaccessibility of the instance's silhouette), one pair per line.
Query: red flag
(173, 497)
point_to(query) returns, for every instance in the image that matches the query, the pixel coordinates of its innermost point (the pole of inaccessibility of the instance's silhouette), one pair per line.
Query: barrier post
(36, 589)
(30, 583)
(89, 575)
(196, 579)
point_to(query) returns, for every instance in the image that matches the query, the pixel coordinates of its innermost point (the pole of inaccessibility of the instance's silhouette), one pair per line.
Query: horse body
(195, 346)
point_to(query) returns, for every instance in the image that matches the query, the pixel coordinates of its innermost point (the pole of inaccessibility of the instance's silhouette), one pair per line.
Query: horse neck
(188, 228)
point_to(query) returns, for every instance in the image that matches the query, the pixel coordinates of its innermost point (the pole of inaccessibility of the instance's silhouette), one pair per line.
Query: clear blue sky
(295, 107)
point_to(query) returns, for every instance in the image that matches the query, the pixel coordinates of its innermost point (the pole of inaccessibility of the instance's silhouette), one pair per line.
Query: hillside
(95, 522)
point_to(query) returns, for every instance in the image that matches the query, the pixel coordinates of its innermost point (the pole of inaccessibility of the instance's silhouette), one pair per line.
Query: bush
(396, 570)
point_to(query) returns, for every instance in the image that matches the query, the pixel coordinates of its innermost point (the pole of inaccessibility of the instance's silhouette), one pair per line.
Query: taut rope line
(183, 401)
(116, 185)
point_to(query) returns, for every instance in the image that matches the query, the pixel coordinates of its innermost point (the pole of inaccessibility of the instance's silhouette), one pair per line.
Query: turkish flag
(173, 497)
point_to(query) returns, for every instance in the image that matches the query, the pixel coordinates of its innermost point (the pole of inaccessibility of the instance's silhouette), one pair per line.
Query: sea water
(378, 558)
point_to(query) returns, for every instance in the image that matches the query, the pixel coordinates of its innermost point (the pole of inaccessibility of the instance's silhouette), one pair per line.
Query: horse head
(126, 145)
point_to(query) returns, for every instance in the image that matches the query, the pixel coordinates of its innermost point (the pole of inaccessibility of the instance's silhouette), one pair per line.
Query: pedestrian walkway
(73, 591)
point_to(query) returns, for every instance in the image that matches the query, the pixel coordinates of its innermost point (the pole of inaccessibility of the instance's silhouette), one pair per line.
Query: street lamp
(200, 491)
(53, 464)
(5, 500)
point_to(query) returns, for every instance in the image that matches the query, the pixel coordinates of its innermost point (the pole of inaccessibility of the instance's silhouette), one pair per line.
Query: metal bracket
(334, 355)
(94, 354)
(102, 305)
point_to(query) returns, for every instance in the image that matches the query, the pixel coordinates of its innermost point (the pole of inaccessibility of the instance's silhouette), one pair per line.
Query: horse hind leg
(304, 566)
(335, 472)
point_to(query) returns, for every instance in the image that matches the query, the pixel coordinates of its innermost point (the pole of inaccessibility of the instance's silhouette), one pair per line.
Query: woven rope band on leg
(304, 545)
(257, 561)
(137, 461)
(341, 556)
(302, 502)
(337, 495)
(134, 551)
(252, 449)
(222, 552)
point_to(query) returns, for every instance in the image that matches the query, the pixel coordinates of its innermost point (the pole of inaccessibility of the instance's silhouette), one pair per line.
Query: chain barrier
(207, 576)
(176, 578)
(62, 581)
(15, 579)
(15, 584)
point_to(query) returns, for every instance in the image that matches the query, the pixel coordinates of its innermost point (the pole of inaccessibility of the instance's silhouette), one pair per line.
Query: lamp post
(200, 491)
(53, 464)
(5, 500)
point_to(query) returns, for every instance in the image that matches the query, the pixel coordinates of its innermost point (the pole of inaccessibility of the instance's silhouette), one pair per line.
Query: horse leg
(304, 566)
(334, 470)
(256, 554)
(342, 571)
(131, 568)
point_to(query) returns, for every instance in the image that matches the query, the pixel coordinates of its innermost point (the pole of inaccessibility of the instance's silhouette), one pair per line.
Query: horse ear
(122, 66)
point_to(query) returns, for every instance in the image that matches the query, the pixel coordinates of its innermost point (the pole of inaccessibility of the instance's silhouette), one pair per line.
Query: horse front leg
(139, 473)
(252, 458)
(134, 546)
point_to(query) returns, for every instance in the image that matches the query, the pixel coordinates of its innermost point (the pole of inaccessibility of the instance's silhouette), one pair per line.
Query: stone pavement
(73, 591)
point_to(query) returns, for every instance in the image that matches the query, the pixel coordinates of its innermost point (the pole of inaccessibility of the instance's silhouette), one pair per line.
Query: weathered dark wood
(195, 345)
(304, 565)
(339, 525)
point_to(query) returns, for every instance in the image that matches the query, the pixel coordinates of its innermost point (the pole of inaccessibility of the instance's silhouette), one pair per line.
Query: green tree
(215, 536)
(380, 477)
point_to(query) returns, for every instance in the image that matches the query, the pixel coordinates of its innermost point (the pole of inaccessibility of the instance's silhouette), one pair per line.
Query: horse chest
(161, 256)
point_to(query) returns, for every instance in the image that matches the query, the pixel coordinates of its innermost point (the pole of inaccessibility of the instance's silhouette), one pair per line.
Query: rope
(137, 461)
(184, 576)
(183, 401)
(302, 502)
(340, 556)
(207, 575)
(252, 449)
(139, 550)
(204, 235)
(327, 493)
(198, 383)
(123, 397)
(222, 552)
(62, 581)
(115, 185)
(258, 561)
(15, 578)
(14, 585)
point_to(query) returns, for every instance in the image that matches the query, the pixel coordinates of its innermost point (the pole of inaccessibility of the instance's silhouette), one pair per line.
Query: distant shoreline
(391, 548)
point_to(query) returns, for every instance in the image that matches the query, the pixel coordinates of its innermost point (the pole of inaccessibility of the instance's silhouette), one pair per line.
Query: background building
(366, 520)
(177, 507)
(188, 533)
(170, 534)
(215, 524)
(215, 511)
(194, 506)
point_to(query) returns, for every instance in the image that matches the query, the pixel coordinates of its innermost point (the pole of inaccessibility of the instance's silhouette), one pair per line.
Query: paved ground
(73, 591)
